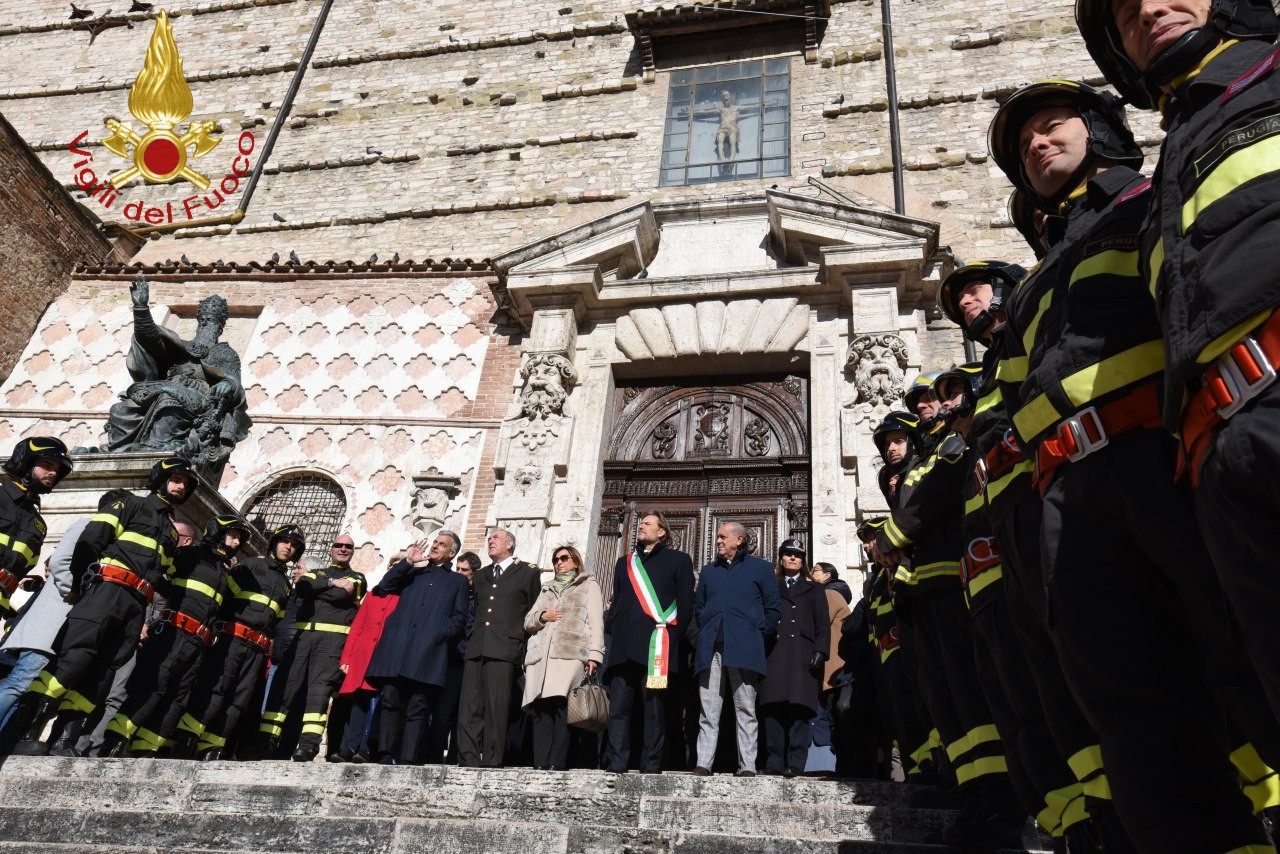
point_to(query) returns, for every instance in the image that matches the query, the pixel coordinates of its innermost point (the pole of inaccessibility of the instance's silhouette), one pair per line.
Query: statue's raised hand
(139, 291)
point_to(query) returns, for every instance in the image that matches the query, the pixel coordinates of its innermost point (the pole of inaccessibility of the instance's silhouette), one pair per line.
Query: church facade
(535, 265)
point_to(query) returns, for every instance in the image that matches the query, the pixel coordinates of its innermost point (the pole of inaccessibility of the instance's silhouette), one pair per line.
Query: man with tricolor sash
(651, 608)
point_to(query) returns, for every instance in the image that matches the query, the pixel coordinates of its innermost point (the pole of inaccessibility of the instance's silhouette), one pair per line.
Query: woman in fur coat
(566, 644)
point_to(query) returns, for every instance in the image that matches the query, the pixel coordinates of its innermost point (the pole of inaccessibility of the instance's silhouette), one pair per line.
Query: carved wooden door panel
(704, 453)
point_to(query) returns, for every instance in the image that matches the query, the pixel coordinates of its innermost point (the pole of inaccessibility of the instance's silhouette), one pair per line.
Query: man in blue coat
(737, 606)
(411, 661)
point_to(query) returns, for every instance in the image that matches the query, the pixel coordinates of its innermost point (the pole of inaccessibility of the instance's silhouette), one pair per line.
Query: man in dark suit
(505, 590)
(630, 668)
(411, 661)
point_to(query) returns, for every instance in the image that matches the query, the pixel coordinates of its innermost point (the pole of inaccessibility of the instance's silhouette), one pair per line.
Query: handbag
(588, 706)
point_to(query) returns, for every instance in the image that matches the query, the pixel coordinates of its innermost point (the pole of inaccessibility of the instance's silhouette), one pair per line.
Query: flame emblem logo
(161, 100)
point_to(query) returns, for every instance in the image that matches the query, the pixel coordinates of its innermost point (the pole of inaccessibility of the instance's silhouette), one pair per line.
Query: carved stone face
(879, 371)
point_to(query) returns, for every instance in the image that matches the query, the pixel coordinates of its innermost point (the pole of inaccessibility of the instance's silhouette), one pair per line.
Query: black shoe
(388, 759)
(699, 771)
(114, 746)
(260, 747)
(184, 745)
(213, 754)
(343, 755)
(360, 758)
(789, 773)
(306, 752)
(744, 773)
(31, 715)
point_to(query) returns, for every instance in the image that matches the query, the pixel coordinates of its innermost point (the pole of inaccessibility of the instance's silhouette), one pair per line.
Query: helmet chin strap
(1178, 58)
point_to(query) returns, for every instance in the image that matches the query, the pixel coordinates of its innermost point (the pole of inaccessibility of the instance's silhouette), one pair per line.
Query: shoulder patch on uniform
(1134, 193)
(1264, 67)
(1256, 131)
(41, 527)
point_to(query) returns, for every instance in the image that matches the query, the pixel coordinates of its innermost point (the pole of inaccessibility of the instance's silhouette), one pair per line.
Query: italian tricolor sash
(659, 643)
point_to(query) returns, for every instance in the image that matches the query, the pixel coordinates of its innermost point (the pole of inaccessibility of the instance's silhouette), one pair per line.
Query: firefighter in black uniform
(327, 603)
(35, 467)
(235, 667)
(1005, 581)
(1210, 251)
(920, 401)
(176, 641)
(922, 539)
(1120, 539)
(124, 553)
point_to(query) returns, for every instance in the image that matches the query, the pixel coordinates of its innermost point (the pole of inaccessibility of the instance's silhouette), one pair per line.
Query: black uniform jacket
(198, 586)
(803, 629)
(926, 521)
(426, 622)
(325, 605)
(630, 628)
(1213, 234)
(1082, 328)
(1007, 482)
(259, 589)
(22, 531)
(128, 531)
(501, 606)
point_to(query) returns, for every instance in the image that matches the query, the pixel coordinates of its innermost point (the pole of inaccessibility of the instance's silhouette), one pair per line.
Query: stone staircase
(131, 806)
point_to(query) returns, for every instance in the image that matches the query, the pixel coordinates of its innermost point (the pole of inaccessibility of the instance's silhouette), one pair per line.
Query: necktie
(791, 582)
(497, 572)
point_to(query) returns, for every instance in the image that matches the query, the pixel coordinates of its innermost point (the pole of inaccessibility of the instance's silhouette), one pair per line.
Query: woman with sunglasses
(566, 644)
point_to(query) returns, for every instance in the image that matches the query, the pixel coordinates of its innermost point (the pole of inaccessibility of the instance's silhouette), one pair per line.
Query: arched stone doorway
(704, 452)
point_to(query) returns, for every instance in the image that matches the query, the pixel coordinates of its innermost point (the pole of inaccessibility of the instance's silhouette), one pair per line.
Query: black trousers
(1238, 503)
(444, 718)
(404, 707)
(1138, 620)
(308, 673)
(626, 689)
(787, 736)
(165, 665)
(230, 675)
(99, 636)
(904, 703)
(484, 711)
(550, 733)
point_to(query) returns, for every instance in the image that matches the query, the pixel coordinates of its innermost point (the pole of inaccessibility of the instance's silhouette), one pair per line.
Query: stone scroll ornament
(186, 396)
(878, 365)
(547, 378)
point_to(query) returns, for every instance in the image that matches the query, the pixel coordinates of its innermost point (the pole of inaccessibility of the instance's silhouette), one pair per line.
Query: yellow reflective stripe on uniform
(323, 627)
(148, 740)
(311, 575)
(1252, 849)
(1115, 262)
(75, 701)
(921, 753)
(934, 570)
(894, 534)
(1228, 339)
(109, 519)
(884, 655)
(1249, 764)
(110, 561)
(1252, 161)
(19, 547)
(1056, 803)
(990, 765)
(210, 740)
(278, 717)
(249, 596)
(997, 486)
(982, 735)
(122, 726)
(199, 587)
(1088, 384)
(964, 773)
(974, 503)
(1076, 812)
(1154, 263)
(988, 400)
(917, 474)
(1029, 336)
(1012, 370)
(1087, 762)
(48, 685)
(313, 723)
(1115, 372)
(190, 724)
(985, 580)
(957, 748)
(139, 540)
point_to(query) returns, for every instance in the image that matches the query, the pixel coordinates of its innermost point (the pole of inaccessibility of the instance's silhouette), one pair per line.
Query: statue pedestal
(95, 473)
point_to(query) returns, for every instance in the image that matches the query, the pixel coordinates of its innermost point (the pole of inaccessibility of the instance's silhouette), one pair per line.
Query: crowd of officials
(147, 638)
(1071, 607)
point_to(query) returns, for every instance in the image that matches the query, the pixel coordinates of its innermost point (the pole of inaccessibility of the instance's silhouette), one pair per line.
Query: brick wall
(43, 235)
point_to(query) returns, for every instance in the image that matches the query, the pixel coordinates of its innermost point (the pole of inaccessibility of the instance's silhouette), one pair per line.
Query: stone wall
(463, 130)
(368, 378)
(44, 235)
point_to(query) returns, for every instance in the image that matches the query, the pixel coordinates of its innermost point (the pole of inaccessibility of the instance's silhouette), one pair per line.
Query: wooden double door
(704, 452)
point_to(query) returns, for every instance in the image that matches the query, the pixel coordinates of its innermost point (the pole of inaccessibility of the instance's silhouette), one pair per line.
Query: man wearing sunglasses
(327, 603)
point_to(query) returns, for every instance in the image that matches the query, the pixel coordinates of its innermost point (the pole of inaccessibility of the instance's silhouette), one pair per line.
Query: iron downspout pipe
(891, 84)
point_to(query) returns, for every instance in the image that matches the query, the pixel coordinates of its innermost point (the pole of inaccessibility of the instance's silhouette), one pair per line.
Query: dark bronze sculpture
(186, 397)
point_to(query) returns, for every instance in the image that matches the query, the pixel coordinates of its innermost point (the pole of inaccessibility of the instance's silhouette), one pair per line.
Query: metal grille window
(313, 501)
(728, 122)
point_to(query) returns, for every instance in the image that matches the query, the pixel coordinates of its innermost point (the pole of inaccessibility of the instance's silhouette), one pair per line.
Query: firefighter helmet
(1002, 277)
(288, 532)
(1025, 215)
(28, 451)
(1104, 119)
(918, 388)
(167, 468)
(869, 528)
(906, 422)
(215, 530)
(970, 374)
(1237, 19)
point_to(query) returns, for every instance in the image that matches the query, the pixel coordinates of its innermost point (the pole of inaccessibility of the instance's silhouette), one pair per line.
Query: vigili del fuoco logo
(161, 100)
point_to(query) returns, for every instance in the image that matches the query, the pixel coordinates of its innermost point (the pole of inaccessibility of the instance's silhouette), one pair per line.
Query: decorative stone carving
(759, 439)
(793, 386)
(186, 397)
(711, 430)
(611, 521)
(526, 477)
(878, 364)
(547, 377)
(432, 492)
(664, 441)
